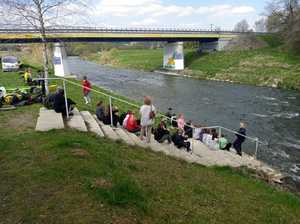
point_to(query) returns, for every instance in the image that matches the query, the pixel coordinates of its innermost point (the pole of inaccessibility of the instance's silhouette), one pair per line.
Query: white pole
(111, 111)
(193, 132)
(66, 99)
(256, 148)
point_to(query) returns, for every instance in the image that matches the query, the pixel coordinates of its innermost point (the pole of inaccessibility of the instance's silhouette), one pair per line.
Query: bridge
(174, 38)
(113, 35)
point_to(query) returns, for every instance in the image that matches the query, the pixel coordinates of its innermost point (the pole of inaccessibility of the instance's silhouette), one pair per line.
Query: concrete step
(49, 120)
(92, 123)
(183, 154)
(215, 157)
(137, 140)
(107, 130)
(76, 121)
(124, 136)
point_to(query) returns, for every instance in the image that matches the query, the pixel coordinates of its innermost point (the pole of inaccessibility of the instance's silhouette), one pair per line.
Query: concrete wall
(174, 56)
(61, 67)
(214, 46)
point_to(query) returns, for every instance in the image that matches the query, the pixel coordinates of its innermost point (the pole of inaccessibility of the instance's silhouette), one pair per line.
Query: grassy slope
(269, 66)
(43, 181)
(140, 59)
(266, 67)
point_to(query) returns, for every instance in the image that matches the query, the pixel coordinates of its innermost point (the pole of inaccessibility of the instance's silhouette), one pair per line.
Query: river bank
(270, 67)
(108, 181)
(271, 114)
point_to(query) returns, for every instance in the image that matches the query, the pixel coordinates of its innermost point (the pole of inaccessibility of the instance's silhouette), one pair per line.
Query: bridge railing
(111, 100)
(128, 30)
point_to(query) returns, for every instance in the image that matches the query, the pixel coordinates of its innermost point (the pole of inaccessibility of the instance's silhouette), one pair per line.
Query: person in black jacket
(180, 140)
(188, 130)
(161, 133)
(59, 104)
(240, 138)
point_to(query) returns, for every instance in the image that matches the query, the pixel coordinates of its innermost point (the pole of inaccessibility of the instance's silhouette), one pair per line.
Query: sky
(173, 13)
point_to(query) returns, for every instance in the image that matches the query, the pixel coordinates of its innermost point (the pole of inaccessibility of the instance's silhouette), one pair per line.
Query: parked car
(10, 63)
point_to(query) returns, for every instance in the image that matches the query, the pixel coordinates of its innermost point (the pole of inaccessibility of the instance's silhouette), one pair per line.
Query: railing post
(111, 111)
(220, 132)
(256, 148)
(193, 139)
(66, 99)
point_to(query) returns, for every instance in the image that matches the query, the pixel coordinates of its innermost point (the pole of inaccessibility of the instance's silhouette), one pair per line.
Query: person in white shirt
(147, 113)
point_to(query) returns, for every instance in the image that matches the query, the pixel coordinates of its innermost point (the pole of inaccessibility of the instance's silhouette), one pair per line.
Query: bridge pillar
(215, 45)
(61, 67)
(173, 56)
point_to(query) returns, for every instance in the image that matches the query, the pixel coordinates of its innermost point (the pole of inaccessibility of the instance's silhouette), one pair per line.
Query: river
(271, 114)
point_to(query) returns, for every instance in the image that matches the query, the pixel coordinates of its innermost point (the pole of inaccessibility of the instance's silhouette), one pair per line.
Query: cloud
(156, 8)
(144, 22)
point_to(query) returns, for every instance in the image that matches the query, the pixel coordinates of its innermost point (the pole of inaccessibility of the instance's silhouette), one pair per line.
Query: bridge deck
(23, 36)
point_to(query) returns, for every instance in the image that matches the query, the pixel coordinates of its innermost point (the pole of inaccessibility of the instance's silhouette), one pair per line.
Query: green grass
(262, 67)
(42, 180)
(139, 59)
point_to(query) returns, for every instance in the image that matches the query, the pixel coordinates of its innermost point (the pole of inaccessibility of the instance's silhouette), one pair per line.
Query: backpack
(152, 114)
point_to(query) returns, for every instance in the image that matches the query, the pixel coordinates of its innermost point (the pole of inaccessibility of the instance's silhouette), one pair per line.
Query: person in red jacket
(86, 88)
(132, 124)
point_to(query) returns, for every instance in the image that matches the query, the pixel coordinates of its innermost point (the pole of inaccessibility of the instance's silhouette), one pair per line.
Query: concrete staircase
(84, 121)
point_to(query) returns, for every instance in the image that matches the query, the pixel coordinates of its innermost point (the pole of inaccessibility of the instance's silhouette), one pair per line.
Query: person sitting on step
(188, 130)
(108, 117)
(59, 104)
(224, 144)
(162, 134)
(180, 140)
(100, 111)
(181, 121)
(132, 123)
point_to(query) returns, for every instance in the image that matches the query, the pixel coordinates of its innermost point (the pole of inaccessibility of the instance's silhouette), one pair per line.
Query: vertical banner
(174, 56)
(61, 68)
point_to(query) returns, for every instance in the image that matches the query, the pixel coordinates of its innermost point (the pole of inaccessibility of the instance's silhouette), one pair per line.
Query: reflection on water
(271, 114)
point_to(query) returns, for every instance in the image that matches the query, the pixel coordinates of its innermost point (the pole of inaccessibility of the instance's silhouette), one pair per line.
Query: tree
(38, 14)
(260, 25)
(242, 26)
(281, 14)
(283, 17)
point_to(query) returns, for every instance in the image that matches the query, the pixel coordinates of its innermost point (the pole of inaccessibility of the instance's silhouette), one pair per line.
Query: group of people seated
(179, 137)
(179, 132)
(132, 124)
(209, 137)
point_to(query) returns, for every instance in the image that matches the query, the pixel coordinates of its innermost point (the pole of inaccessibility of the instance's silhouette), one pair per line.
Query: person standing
(86, 87)
(147, 112)
(240, 138)
(28, 76)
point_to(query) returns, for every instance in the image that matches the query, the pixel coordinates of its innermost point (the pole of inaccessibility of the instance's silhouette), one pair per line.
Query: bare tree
(242, 26)
(283, 17)
(260, 25)
(39, 14)
(281, 14)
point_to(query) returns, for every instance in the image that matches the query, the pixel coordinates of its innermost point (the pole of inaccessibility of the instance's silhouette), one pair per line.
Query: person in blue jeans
(240, 138)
